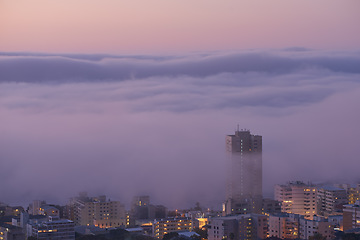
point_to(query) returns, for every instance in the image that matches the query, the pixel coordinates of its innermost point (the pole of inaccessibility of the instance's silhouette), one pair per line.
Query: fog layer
(126, 125)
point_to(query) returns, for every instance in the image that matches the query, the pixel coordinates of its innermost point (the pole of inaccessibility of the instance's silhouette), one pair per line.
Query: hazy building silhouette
(34, 207)
(244, 183)
(270, 206)
(352, 191)
(141, 209)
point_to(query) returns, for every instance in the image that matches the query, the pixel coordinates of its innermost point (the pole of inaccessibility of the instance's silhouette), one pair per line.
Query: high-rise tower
(244, 183)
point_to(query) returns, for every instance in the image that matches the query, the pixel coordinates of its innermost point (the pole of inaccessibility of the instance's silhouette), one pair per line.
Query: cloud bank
(125, 125)
(71, 67)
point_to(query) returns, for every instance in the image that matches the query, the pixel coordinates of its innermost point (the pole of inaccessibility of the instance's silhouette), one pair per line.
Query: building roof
(6, 219)
(137, 229)
(37, 216)
(331, 188)
(188, 234)
(282, 214)
(59, 221)
(46, 207)
(53, 222)
(84, 230)
(9, 226)
(239, 216)
(171, 219)
(353, 230)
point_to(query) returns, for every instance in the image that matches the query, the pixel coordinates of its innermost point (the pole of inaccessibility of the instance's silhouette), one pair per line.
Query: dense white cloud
(124, 125)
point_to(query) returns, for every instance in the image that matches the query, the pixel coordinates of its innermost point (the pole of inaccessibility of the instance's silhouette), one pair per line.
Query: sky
(136, 97)
(159, 26)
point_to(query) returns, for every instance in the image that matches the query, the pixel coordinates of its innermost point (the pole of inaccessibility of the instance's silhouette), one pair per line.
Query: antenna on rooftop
(238, 127)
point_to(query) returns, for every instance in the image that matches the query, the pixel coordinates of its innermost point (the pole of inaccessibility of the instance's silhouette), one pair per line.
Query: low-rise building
(318, 225)
(164, 226)
(353, 193)
(270, 206)
(330, 200)
(6, 210)
(54, 228)
(141, 209)
(198, 218)
(98, 211)
(336, 221)
(297, 197)
(10, 232)
(284, 225)
(34, 207)
(243, 226)
(351, 216)
(48, 210)
(352, 190)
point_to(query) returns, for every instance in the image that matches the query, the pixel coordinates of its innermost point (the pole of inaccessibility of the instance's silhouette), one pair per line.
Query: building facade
(98, 211)
(141, 209)
(331, 200)
(238, 227)
(54, 229)
(318, 225)
(270, 206)
(352, 191)
(297, 197)
(351, 216)
(10, 232)
(168, 225)
(284, 225)
(244, 183)
(49, 211)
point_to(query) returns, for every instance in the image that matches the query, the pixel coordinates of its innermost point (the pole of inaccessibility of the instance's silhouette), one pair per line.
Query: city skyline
(130, 98)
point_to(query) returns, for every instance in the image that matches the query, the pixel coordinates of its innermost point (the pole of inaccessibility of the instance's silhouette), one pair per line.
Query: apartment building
(98, 211)
(284, 225)
(318, 225)
(351, 216)
(167, 225)
(297, 197)
(243, 226)
(54, 228)
(331, 200)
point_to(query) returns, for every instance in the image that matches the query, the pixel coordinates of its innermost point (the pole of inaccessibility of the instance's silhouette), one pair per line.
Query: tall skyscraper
(244, 183)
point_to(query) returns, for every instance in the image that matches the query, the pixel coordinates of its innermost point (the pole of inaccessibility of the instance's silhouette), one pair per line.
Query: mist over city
(146, 120)
(156, 125)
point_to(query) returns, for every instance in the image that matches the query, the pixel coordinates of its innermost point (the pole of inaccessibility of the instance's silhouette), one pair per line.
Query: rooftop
(9, 226)
(331, 188)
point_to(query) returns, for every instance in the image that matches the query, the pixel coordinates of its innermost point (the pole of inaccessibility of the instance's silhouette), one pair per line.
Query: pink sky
(133, 26)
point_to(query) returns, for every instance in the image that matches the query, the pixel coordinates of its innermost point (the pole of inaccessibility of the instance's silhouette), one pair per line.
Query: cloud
(65, 68)
(156, 125)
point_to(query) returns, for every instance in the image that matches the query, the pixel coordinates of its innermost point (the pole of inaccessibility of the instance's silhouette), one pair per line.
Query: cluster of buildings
(93, 216)
(97, 211)
(298, 211)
